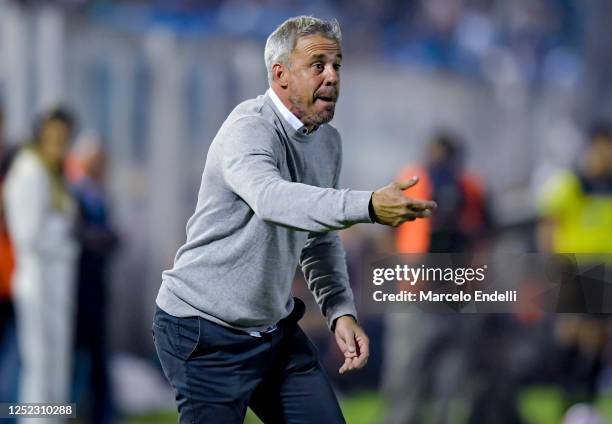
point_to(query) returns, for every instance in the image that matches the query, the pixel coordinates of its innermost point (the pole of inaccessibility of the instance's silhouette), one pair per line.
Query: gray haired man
(225, 326)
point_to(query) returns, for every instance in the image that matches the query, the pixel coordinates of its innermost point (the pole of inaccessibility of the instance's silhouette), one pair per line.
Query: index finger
(364, 346)
(420, 205)
(345, 366)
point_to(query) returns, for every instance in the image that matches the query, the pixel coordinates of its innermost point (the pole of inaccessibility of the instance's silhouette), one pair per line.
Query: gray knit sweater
(269, 200)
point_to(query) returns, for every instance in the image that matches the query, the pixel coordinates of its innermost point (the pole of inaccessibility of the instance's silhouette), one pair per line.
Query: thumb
(403, 185)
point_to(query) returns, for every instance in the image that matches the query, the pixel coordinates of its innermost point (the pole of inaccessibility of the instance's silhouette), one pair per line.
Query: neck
(283, 95)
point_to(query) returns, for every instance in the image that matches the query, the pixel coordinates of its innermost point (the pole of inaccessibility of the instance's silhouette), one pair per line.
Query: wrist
(371, 209)
(348, 318)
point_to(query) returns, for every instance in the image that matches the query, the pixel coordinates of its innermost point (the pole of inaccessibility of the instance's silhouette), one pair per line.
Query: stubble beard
(313, 118)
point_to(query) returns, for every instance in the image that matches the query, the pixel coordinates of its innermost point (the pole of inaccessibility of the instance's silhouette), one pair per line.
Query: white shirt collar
(293, 120)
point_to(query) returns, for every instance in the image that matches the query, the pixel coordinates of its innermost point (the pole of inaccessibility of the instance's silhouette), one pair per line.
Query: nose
(331, 75)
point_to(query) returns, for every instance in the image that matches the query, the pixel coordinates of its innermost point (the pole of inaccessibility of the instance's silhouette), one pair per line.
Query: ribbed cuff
(371, 210)
(357, 207)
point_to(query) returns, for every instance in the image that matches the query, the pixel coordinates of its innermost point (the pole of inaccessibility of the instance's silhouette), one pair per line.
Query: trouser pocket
(178, 337)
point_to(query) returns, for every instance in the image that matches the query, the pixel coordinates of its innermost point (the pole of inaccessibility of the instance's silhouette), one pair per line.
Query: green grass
(363, 408)
(539, 405)
(360, 409)
(542, 405)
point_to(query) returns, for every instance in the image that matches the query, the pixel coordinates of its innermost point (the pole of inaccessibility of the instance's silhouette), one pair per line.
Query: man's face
(313, 78)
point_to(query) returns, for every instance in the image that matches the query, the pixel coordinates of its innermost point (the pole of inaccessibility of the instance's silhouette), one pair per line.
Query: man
(576, 209)
(461, 217)
(98, 241)
(226, 326)
(424, 351)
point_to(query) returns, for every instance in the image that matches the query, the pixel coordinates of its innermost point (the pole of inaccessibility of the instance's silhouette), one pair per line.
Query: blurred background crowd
(107, 109)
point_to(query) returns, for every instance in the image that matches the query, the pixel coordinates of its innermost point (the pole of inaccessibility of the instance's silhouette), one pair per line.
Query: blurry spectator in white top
(40, 215)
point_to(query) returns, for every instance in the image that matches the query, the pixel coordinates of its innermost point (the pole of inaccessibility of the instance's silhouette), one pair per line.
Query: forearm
(324, 265)
(310, 208)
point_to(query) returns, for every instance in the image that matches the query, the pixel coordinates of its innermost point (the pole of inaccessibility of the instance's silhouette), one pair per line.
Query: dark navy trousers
(216, 372)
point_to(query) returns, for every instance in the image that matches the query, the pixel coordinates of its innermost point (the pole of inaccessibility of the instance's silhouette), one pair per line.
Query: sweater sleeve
(323, 262)
(249, 161)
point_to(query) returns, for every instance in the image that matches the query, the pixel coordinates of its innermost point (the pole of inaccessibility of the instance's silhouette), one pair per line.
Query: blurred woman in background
(40, 214)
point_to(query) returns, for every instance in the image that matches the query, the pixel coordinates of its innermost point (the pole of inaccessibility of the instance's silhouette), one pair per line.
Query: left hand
(353, 343)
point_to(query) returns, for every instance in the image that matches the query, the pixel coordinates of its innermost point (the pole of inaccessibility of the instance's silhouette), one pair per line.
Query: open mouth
(327, 99)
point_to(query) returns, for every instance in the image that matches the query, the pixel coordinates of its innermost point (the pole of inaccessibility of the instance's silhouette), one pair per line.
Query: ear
(279, 74)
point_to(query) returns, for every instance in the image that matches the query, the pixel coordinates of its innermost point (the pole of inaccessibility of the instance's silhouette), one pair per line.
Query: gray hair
(282, 41)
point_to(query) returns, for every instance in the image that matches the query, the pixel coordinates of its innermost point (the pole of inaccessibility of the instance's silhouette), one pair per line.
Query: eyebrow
(323, 56)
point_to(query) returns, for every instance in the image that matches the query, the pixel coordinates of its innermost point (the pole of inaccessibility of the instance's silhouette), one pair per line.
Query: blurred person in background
(576, 208)
(461, 217)
(226, 325)
(6, 251)
(426, 352)
(98, 240)
(576, 205)
(40, 217)
(9, 357)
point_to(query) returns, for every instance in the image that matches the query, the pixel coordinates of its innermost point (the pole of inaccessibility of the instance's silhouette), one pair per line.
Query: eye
(337, 66)
(318, 66)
